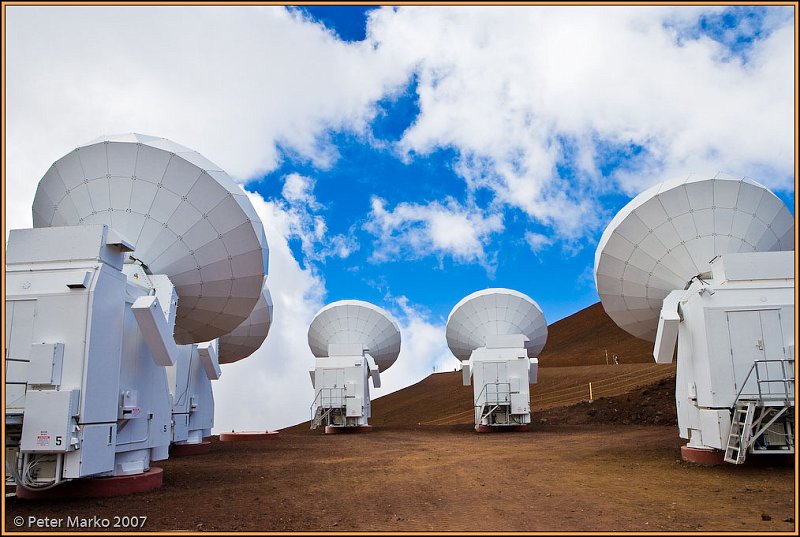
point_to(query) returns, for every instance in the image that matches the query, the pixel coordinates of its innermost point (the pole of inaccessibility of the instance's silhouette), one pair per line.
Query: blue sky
(409, 155)
(559, 277)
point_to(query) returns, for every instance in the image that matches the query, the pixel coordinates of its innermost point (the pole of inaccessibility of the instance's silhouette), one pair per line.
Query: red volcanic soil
(584, 337)
(607, 464)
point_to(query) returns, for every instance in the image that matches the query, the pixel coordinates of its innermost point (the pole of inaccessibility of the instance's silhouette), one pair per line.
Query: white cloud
(416, 230)
(515, 89)
(305, 224)
(537, 241)
(230, 82)
(298, 189)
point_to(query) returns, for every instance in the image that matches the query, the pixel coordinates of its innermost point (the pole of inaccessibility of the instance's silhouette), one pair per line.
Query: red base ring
(330, 429)
(98, 487)
(185, 450)
(246, 436)
(706, 457)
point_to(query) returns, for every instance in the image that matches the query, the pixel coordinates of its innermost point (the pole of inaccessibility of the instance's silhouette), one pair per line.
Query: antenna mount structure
(498, 334)
(705, 263)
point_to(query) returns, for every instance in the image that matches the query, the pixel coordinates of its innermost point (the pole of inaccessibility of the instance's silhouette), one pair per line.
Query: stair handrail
(786, 381)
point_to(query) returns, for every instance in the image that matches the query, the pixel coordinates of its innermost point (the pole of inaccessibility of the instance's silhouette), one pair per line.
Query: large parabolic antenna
(671, 232)
(185, 217)
(248, 337)
(495, 312)
(356, 322)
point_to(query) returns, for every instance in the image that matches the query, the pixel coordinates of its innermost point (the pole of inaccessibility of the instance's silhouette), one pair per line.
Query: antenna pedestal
(706, 457)
(98, 487)
(501, 378)
(329, 429)
(705, 263)
(491, 429)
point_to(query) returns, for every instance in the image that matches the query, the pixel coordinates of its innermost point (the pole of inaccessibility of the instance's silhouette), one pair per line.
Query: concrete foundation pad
(247, 436)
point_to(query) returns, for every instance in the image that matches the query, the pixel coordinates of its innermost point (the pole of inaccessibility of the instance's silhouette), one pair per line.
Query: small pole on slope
(606, 356)
(590, 391)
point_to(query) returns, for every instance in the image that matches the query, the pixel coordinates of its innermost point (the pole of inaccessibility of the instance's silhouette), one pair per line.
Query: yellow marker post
(590, 391)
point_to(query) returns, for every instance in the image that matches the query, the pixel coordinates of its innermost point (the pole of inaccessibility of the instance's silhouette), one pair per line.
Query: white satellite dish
(352, 340)
(356, 322)
(137, 243)
(670, 233)
(186, 218)
(248, 337)
(495, 312)
(498, 333)
(704, 263)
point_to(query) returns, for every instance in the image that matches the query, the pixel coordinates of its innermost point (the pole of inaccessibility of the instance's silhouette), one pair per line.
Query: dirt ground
(604, 477)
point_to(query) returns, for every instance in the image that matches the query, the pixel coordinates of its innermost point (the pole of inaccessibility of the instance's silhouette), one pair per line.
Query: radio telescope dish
(185, 216)
(669, 234)
(356, 322)
(495, 312)
(248, 337)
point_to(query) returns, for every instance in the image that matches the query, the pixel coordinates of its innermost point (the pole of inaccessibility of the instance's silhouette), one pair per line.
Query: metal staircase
(763, 421)
(328, 405)
(741, 431)
(492, 397)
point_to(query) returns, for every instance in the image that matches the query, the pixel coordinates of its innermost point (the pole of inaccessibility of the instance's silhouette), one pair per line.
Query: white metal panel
(47, 425)
(745, 335)
(97, 451)
(209, 360)
(94, 162)
(45, 364)
(757, 266)
(154, 329)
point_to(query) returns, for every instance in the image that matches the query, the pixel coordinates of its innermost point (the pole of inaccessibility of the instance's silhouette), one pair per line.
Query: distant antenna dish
(495, 312)
(356, 322)
(185, 216)
(669, 234)
(248, 337)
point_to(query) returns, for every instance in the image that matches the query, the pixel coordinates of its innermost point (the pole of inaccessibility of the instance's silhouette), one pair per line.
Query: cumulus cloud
(307, 225)
(415, 230)
(537, 241)
(535, 98)
(238, 84)
(298, 189)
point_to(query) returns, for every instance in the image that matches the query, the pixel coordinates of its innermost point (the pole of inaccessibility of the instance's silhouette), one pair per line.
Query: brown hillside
(572, 358)
(441, 399)
(583, 338)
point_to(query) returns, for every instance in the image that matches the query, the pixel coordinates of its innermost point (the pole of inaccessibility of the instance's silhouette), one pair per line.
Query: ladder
(741, 430)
